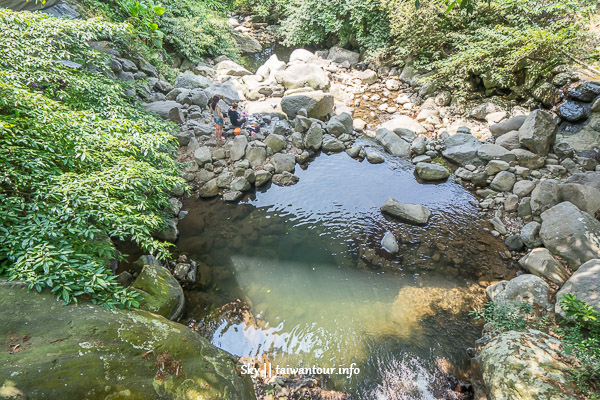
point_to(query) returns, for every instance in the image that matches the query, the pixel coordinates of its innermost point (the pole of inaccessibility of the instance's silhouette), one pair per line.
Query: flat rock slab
(411, 213)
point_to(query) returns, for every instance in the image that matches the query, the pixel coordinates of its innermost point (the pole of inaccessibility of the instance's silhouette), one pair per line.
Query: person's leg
(244, 122)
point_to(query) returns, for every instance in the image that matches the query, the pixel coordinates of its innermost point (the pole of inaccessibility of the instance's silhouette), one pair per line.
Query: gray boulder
(489, 152)
(462, 149)
(404, 122)
(530, 234)
(586, 198)
(590, 178)
(571, 234)
(256, 156)
(199, 98)
(169, 233)
(528, 159)
(203, 156)
(528, 365)
(538, 132)
(298, 76)
(540, 262)
(523, 188)
(162, 108)
(226, 91)
(283, 162)
(240, 184)
(393, 143)
(585, 284)
(330, 143)
(209, 189)
(314, 137)
(419, 145)
(431, 172)
(544, 196)
(340, 55)
(528, 288)
(374, 157)
(275, 142)
(571, 111)
(316, 103)
(285, 179)
(262, 177)
(508, 125)
(247, 43)
(232, 196)
(238, 149)
(503, 181)
(509, 140)
(411, 213)
(230, 68)
(340, 124)
(189, 80)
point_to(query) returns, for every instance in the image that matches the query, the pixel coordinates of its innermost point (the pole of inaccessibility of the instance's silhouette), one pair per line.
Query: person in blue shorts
(215, 110)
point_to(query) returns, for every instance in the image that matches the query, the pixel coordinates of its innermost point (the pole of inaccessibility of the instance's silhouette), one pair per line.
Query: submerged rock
(527, 365)
(87, 351)
(411, 213)
(389, 243)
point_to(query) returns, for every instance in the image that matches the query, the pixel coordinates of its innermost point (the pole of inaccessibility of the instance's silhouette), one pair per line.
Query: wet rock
(585, 284)
(262, 177)
(340, 124)
(541, 263)
(538, 132)
(571, 111)
(169, 233)
(419, 145)
(285, 179)
(232, 196)
(527, 365)
(528, 288)
(585, 92)
(503, 181)
(283, 162)
(240, 184)
(498, 225)
(547, 94)
(411, 213)
(173, 206)
(103, 350)
(354, 151)
(389, 243)
(161, 292)
(375, 158)
(479, 179)
(544, 196)
(431, 172)
(331, 144)
(392, 142)
(571, 234)
(209, 189)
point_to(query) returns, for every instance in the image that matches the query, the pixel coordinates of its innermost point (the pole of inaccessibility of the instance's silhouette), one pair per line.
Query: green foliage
(78, 162)
(505, 43)
(580, 334)
(143, 16)
(195, 28)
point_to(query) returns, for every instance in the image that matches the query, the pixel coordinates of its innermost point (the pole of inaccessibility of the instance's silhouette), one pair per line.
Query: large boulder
(509, 140)
(225, 90)
(538, 132)
(332, 144)
(462, 149)
(503, 181)
(303, 75)
(540, 262)
(508, 125)
(411, 213)
(340, 55)
(340, 124)
(228, 67)
(275, 142)
(431, 172)
(164, 109)
(586, 138)
(571, 234)
(283, 163)
(270, 107)
(393, 143)
(403, 122)
(585, 284)
(527, 159)
(161, 292)
(316, 103)
(544, 196)
(590, 178)
(88, 351)
(488, 152)
(189, 80)
(527, 287)
(314, 137)
(586, 198)
(529, 365)
(247, 43)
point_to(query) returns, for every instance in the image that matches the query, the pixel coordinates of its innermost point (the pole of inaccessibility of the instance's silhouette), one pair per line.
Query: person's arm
(219, 112)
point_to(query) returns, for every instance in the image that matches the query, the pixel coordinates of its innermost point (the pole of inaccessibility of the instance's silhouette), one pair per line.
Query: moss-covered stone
(51, 351)
(161, 291)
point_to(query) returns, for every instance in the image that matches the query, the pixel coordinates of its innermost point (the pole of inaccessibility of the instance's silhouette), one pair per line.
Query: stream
(308, 261)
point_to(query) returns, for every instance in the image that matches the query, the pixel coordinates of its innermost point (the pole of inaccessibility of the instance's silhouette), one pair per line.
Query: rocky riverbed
(533, 165)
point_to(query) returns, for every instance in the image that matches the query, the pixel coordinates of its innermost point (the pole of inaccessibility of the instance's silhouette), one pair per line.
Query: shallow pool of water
(308, 261)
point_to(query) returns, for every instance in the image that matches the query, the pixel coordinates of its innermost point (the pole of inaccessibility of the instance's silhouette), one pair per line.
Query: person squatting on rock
(236, 120)
(215, 109)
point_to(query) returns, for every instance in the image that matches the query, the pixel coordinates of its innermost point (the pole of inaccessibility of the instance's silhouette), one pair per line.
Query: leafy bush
(78, 162)
(195, 28)
(505, 42)
(579, 332)
(144, 18)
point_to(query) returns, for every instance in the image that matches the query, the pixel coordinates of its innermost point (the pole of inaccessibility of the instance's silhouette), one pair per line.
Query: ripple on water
(303, 258)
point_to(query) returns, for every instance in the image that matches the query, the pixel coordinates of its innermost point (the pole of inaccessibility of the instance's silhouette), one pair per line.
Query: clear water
(308, 260)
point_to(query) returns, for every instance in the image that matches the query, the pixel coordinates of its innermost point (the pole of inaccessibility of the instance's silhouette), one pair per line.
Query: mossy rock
(51, 351)
(161, 291)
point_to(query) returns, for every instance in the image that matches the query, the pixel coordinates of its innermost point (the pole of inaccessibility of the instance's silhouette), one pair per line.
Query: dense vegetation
(580, 333)
(79, 163)
(502, 43)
